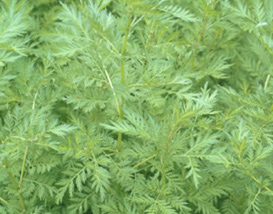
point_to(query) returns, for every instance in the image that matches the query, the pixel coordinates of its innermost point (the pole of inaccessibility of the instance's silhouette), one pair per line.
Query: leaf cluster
(136, 106)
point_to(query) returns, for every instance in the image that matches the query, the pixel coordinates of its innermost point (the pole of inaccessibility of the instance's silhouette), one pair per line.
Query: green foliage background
(136, 106)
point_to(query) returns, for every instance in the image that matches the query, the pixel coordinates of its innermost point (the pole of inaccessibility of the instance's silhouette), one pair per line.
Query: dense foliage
(136, 106)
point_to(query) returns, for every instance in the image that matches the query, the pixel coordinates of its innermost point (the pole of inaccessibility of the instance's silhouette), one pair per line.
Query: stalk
(3, 200)
(16, 186)
(122, 80)
(163, 174)
(144, 161)
(199, 40)
(252, 176)
(122, 73)
(23, 167)
(205, 20)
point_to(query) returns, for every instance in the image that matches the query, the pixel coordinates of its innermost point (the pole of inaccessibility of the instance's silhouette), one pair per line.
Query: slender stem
(252, 176)
(34, 100)
(119, 141)
(122, 63)
(16, 186)
(266, 84)
(164, 174)
(198, 41)
(114, 93)
(257, 181)
(122, 71)
(23, 167)
(144, 161)
(3, 200)
(105, 38)
(118, 106)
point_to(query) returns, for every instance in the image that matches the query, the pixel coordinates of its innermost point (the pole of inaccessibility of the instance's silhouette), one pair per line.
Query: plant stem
(198, 41)
(23, 167)
(114, 93)
(3, 200)
(122, 72)
(164, 174)
(16, 186)
(119, 141)
(122, 63)
(144, 161)
(253, 177)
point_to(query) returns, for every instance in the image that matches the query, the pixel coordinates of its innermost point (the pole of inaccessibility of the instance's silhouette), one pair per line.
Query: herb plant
(136, 106)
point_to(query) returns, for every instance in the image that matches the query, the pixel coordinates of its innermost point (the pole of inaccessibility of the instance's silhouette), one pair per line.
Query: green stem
(16, 186)
(252, 176)
(144, 161)
(3, 200)
(122, 63)
(119, 141)
(198, 41)
(122, 71)
(114, 93)
(164, 174)
(23, 167)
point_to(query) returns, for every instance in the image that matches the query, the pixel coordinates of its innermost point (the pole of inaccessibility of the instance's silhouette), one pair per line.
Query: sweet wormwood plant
(136, 106)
